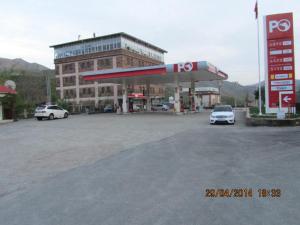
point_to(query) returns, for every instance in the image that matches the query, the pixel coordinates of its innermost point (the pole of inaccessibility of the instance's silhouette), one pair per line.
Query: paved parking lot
(145, 169)
(32, 150)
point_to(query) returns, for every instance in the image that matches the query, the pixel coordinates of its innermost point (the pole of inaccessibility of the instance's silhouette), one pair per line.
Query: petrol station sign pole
(280, 82)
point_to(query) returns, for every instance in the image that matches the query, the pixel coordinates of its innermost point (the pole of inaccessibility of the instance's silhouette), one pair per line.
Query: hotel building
(113, 51)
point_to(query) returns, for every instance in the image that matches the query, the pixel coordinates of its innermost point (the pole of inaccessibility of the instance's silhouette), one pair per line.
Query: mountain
(230, 89)
(20, 65)
(235, 90)
(253, 87)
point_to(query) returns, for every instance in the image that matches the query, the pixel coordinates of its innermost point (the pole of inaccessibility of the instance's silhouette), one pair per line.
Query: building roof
(122, 34)
(7, 90)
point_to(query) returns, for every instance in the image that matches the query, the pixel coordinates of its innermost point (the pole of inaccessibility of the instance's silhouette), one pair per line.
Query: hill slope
(20, 64)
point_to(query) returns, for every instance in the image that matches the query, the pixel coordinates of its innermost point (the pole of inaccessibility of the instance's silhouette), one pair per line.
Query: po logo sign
(185, 67)
(281, 25)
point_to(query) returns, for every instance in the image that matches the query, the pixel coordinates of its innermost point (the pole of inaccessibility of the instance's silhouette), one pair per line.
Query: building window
(86, 66)
(106, 91)
(100, 45)
(119, 60)
(129, 61)
(56, 69)
(69, 81)
(69, 68)
(70, 93)
(57, 82)
(152, 90)
(87, 92)
(105, 63)
(141, 63)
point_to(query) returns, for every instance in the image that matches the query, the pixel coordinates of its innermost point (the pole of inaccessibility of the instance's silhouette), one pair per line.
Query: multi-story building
(113, 51)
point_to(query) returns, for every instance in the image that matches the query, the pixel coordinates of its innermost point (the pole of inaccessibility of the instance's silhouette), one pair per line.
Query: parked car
(222, 114)
(137, 107)
(157, 107)
(50, 112)
(108, 109)
(160, 107)
(165, 107)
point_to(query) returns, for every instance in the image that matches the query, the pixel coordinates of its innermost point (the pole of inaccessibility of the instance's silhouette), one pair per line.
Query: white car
(222, 114)
(50, 112)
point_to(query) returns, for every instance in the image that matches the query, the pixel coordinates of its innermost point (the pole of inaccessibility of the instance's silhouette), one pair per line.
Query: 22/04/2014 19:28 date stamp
(242, 193)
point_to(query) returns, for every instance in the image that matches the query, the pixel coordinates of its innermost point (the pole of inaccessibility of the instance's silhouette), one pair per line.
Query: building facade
(7, 107)
(113, 51)
(206, 97)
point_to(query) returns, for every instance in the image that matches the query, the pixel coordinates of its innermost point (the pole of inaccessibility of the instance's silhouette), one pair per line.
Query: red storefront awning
(7, 90)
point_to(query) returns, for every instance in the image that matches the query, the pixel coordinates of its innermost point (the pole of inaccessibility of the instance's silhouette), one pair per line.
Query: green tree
(256, 93)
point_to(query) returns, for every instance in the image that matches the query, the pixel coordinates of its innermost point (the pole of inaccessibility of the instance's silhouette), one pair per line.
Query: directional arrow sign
(287, 99)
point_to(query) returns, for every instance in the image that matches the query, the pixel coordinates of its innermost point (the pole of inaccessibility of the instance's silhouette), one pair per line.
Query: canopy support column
(192, 96)
(177, 105)
(125, 97)
(148, 106)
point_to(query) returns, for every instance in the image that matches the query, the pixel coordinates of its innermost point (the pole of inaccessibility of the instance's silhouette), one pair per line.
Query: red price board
(280, 64)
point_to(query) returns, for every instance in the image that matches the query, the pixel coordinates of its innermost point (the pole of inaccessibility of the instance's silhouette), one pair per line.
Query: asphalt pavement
(165, 180)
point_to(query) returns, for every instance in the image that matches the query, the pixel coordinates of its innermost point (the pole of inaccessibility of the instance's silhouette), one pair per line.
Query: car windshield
(223, 109)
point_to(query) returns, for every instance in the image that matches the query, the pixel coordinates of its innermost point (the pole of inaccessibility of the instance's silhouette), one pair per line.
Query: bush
(255, 110)
(64, 104)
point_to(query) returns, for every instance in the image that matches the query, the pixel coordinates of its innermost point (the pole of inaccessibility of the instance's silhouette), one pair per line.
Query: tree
(256, 93)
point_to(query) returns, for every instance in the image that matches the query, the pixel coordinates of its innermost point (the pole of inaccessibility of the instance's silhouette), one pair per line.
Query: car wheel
(39, 118)
(51, 116)
(66, 115)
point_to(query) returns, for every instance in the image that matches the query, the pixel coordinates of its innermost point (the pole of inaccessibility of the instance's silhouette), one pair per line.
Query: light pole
(258, 58)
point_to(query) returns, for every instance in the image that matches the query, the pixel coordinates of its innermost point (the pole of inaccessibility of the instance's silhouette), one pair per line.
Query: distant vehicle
(137, 107)
(160, 107)
(157, 107)
(170, 105)
(50, 112)
(222, 114)
(108, 109)
(165, 107)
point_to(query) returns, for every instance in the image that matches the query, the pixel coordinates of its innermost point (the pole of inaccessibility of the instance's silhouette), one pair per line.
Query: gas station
(173, 74)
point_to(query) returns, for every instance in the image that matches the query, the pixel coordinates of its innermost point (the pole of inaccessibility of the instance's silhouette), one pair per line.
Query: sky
(221, 32)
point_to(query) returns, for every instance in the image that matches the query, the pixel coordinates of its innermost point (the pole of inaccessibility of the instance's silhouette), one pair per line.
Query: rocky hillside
(20, 65)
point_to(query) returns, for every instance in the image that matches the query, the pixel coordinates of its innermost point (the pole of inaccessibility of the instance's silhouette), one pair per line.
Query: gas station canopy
(159, 74)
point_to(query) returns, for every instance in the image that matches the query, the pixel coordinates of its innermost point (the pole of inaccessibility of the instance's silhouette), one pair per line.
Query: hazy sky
(221, 32)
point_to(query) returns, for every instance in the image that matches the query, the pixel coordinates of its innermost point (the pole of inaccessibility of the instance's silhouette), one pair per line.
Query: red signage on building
(186, 67)
(280, 60)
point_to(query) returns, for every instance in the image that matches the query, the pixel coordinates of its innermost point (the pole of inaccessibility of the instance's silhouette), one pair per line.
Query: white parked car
(50, 112)
(222, 114)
